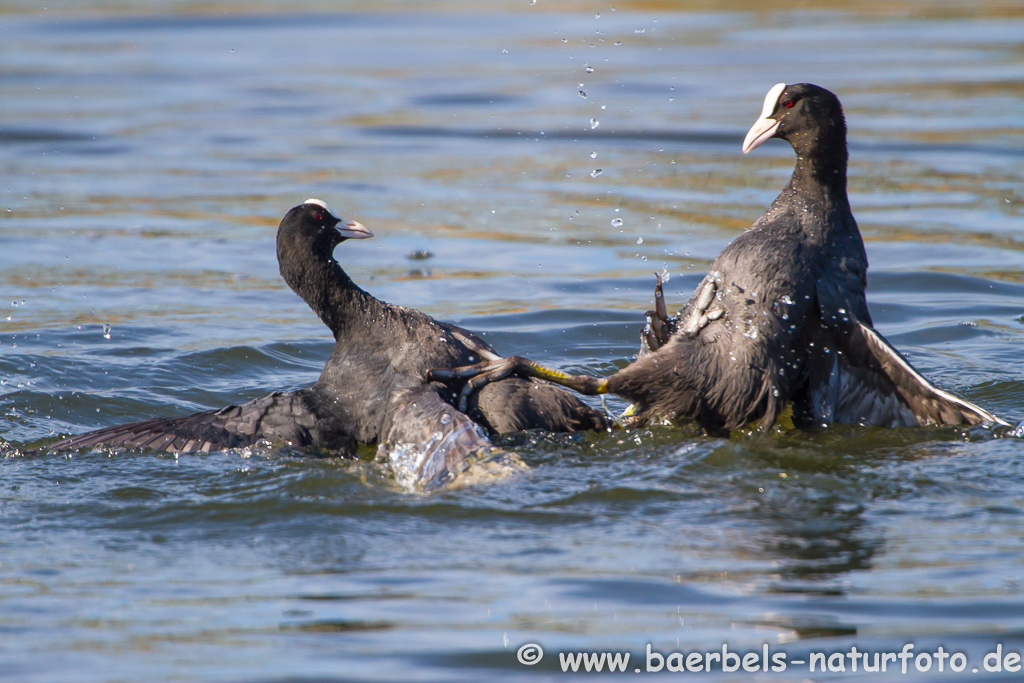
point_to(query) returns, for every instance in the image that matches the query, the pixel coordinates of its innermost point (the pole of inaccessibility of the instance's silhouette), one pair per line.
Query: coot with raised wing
(781, 317)
(371, 388)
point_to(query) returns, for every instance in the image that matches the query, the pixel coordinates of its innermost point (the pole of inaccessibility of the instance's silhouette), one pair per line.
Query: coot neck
(819, 178)
(331, 293)
(821, 163)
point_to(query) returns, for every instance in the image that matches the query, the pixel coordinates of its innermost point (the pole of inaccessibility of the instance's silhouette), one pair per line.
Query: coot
(781, 317)
(371, 388)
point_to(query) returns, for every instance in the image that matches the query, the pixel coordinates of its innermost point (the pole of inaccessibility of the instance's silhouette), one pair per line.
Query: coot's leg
(694, 317)
(486, 372)
(702, 313)
(659, 325)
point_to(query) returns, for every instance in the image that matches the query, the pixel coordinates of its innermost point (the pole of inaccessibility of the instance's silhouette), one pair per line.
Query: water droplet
(106, 331)
(583, 94)
(593, 155)
(639, 240)
(446, 419)
(616, 222)
(594, 123)
(590, 70)
(596, 172)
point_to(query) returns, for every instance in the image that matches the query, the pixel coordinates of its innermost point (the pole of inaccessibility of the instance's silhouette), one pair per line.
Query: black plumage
(781, 317)
(371, 388)
(296, 418)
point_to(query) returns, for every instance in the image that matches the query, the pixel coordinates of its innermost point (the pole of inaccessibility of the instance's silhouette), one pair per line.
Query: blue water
(147, 155)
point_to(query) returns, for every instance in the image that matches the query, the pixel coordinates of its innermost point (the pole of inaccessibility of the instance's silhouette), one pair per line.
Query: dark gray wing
(277, 418)
(871, 383)
(473, 343)
(515, 404)
(429, 443)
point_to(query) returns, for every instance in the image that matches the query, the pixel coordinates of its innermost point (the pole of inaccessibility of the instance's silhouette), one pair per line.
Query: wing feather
(869, 382)
(279, 417)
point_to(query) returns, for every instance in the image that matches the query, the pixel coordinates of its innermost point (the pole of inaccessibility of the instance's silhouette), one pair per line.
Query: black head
(305, 254)
(806, 115)
(313, 227)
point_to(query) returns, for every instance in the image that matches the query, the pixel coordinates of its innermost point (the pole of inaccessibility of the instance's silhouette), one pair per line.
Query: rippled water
(148, 152)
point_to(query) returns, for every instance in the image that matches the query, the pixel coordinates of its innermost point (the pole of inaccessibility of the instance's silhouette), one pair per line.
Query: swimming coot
(371, 388)
(781, 317)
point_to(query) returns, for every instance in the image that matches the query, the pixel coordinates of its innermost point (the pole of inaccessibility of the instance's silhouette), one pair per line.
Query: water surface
(148, 152)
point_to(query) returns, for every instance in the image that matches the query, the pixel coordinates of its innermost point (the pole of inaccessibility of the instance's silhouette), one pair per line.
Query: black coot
(781, 317)
(371, 388)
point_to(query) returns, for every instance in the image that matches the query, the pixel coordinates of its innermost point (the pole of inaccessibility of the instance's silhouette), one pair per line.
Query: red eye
(318, 216)
(787, 103)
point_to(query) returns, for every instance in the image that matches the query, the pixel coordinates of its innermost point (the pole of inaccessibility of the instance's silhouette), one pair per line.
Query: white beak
(353, 230)
(764, 127)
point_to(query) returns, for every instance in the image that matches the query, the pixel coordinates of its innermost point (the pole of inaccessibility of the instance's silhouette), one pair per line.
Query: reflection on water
(148, 152)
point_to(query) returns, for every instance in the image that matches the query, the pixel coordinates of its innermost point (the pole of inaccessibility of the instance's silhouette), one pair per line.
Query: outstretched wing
(871, 383)
(279, 417)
